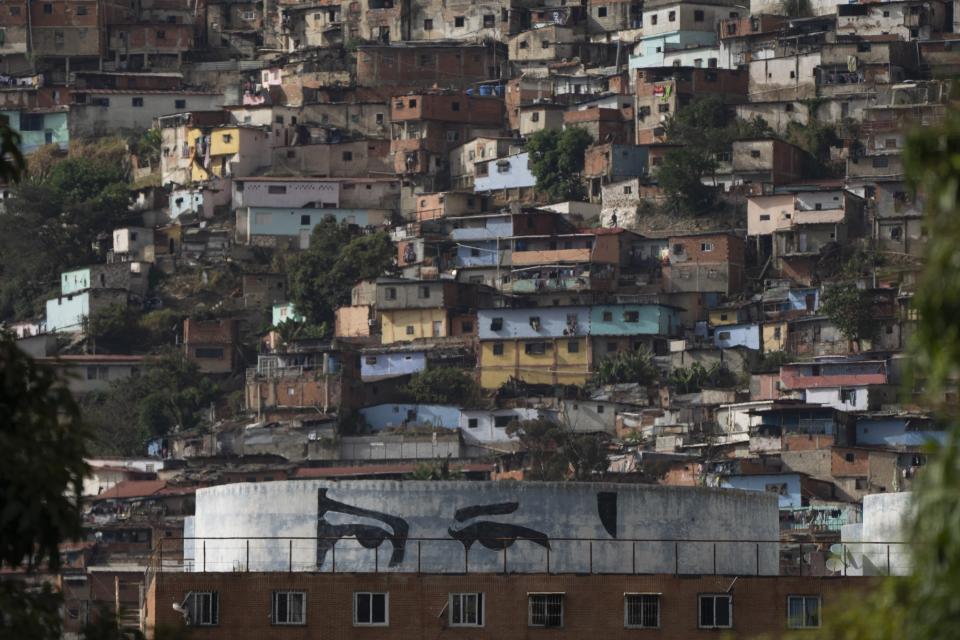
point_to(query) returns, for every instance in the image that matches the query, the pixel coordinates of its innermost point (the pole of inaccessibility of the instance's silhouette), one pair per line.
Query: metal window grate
(643, 610)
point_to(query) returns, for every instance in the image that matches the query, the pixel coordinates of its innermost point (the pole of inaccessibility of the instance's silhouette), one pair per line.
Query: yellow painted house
(535, 361)
(400, 325)
(224, 151)
(773, 336)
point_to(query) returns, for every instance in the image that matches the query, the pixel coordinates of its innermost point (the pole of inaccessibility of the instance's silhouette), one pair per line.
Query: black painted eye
(497, 535)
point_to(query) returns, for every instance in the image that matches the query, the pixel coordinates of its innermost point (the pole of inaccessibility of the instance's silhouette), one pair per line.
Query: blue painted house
(39, 128)
(535, 322)
(733, 335)
(785, 485)
(375, 365)
(897, 431)
(634, 319)
(395, 416)
(255, 225)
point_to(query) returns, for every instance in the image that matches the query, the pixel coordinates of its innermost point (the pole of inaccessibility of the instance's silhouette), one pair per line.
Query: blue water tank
(486, 90)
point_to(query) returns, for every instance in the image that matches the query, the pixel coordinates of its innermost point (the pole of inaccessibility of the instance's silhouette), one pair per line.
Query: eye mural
(369, 536)
(490, 534)
(607, 510)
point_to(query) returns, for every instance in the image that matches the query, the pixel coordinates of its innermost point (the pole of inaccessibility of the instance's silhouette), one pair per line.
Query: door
(437, 329)
(304, 238)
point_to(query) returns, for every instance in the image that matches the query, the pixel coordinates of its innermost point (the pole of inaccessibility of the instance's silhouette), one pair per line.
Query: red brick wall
(593, 604)
(63, 14)
(840, 466)
(457, 108)
(454, 67)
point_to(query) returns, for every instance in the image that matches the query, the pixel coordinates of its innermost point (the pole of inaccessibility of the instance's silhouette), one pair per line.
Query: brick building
(211, 344)
(391, 605)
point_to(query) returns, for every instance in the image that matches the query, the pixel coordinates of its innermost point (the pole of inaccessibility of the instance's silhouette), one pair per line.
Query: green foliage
(322, 276)
(627, 367)
(105, 626)
(51, 224)
(147, 146)
(116, 328)
(681, 175)
(772, 361)
(924, 605)
(27, 614)
(444, 385)
(291, 330)
(169, 395)
(816, 138)
(436, 470)
(556, 161)
(12, 164)
(696, 377)
(43, 444)
(704, 128)
(796, 8)
(555, 453)
(850, 310)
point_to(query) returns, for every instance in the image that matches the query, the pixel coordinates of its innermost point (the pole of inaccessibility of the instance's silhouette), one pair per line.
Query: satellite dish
(834, 564)
(837, 549)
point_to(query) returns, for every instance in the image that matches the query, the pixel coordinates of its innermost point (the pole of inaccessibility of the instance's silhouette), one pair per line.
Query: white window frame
(478, 609)
(386, 608)
(545, 596)
(714, 596)
(803, 621)
(276, 608)
(626, 610)
(214, 608)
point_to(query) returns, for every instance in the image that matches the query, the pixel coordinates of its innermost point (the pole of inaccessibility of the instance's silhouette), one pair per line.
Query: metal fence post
(843, 549)
(714, 558)
(633, 551)
(333, 554)
(290, 556)
(591, 556)
(548, 560)
(466, 559)
(376, 559)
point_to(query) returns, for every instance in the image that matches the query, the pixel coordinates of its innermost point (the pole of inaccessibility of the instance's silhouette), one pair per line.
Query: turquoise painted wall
(54, 131)
(652, 319)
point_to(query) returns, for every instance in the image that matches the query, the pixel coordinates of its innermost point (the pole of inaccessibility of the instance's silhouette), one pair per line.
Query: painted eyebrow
(498, 509)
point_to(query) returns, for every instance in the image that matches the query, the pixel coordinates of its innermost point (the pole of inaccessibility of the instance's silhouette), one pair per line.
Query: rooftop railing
(380, 552)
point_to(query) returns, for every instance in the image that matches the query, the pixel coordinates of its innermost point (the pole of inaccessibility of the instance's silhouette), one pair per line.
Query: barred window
(641, 610)
(546, 609)
(716, 611)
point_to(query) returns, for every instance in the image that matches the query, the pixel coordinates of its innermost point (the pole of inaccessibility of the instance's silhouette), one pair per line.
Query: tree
(696, 377)
(321, 277)
(681, 174)
(924, 605)
(635, 366)
(12, 163)
(53, 223)
(444, 385)
(851, 311)
(41, 479)
(171, 394)
(556, 161)
(116, 327)
(542, 440)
